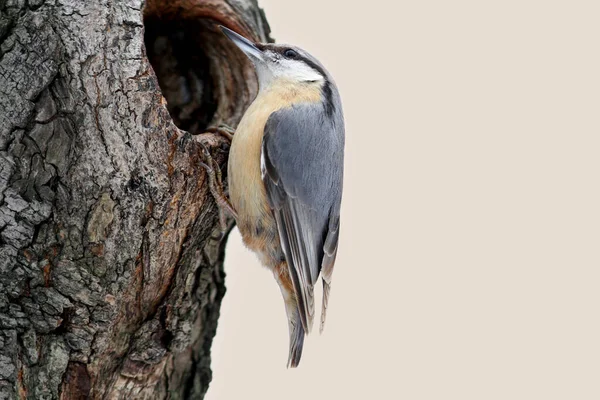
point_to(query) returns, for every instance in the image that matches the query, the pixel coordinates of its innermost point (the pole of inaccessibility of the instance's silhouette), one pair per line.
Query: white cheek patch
(296, 70)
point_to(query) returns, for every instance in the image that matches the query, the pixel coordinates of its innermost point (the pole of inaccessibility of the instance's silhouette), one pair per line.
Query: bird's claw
(223, 130)
(215, 185)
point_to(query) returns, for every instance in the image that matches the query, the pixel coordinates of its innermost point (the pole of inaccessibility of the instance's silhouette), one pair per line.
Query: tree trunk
(111, 271)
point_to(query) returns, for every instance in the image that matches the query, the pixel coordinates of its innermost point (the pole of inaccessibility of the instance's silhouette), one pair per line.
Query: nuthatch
(285, 177)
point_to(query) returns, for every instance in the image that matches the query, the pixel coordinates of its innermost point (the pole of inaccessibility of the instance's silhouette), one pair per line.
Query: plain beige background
(469, 263)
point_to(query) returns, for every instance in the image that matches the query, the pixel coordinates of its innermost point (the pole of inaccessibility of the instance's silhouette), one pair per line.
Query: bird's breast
(246, 189)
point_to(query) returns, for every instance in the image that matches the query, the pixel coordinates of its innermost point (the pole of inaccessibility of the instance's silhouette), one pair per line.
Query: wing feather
(303, 161)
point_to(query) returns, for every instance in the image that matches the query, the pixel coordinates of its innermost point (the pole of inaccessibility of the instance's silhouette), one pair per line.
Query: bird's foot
(223, 130)
(215, 185)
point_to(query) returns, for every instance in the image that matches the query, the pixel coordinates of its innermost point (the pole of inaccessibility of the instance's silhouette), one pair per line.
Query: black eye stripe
(280, 52)
(290, 53)
(285, 52)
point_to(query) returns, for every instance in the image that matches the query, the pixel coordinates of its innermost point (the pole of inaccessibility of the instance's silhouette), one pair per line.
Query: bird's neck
(283, 92)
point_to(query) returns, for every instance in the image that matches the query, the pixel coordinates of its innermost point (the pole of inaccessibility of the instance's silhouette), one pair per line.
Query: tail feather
(326, 288)
(296, 338)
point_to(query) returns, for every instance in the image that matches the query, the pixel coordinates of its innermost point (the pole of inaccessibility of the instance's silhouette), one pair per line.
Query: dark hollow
(175, 50)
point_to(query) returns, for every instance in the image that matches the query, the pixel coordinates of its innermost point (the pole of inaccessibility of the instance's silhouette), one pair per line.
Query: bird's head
(277, 61)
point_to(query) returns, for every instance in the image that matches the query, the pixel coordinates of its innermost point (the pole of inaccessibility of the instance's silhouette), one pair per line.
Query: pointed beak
(249, 48)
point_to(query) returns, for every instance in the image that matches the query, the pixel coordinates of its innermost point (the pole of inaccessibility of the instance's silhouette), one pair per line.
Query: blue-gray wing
(302, 165)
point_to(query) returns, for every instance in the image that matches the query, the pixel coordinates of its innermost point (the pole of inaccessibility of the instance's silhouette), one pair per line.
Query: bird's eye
(289, 53)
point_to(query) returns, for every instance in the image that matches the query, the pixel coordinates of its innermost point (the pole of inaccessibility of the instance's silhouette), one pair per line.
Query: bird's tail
(296, 335)
(296, 330)
(326, 288)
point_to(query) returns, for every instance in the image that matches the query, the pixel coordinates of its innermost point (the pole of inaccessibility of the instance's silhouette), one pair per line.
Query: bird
(284, 175)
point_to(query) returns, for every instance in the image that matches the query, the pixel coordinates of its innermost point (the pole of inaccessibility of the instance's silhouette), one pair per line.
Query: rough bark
(111, 272)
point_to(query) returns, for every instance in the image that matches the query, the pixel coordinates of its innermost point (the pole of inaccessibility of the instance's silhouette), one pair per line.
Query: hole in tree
(205, 79)
(176, 51)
